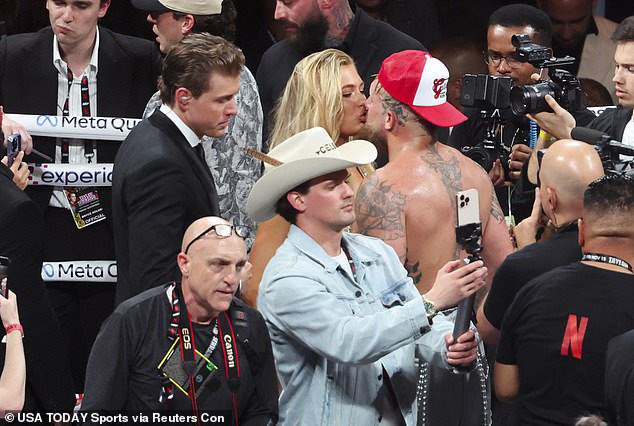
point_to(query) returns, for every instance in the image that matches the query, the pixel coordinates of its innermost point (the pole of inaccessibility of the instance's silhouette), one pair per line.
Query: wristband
(9, 328)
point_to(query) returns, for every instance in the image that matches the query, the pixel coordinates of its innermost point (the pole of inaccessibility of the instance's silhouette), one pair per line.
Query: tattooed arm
(496, 241)
(380, 212)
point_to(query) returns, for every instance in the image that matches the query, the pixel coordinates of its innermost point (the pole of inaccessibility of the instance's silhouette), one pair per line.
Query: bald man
(193, 332)
(567, 168)
(551, 356)
(579, 33)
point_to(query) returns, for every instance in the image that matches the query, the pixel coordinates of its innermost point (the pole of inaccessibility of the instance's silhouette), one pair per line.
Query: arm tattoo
(413, 271)
(448, 171)
(496, 209)
(379, 209)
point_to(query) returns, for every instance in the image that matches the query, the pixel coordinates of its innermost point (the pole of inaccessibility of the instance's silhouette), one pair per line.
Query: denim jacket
(333, 337)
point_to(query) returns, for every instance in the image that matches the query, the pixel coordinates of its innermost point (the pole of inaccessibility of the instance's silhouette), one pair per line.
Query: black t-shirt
(526, 264)
(557, 331)
(619, 380)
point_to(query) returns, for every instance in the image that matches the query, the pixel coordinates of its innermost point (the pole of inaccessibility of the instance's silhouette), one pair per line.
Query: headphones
(184, 99)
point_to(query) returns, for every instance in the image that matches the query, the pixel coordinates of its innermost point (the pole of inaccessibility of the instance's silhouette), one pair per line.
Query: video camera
(562, 86)
(609, 151)
(498, 101)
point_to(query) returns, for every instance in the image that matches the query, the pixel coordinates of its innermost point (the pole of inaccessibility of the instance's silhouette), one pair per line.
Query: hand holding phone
(14, 146)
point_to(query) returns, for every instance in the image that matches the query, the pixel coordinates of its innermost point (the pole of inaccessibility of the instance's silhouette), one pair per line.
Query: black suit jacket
(159, 188)
(369, 42)
(49, 385)
(128, 70)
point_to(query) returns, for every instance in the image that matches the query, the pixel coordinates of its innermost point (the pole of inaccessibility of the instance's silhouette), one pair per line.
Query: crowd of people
(285, 237)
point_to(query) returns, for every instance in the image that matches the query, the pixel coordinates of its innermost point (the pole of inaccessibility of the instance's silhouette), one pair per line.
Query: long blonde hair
(312, 97)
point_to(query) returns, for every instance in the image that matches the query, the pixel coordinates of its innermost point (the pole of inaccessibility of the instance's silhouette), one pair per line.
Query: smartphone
(14, 145)
(4, 271)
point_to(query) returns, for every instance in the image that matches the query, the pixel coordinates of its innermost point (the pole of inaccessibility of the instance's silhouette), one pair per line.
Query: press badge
(85, 206)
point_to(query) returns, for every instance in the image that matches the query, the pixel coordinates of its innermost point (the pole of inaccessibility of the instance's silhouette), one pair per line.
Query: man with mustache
(312, 26)
(189, 333)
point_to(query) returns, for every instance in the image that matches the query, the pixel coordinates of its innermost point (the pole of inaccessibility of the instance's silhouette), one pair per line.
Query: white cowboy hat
(300, 158)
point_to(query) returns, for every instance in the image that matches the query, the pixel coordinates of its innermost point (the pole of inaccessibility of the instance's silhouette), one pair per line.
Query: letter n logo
(573, 337)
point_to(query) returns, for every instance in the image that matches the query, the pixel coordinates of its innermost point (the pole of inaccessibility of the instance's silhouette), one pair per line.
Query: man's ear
(102, 9)
(582, 227)
(552, 199)
(390, 120)
(183, 263)
(297, 200)
(187, 26)
(182, 96)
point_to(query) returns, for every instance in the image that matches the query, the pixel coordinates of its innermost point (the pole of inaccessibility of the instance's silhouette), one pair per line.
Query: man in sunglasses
(189, 334)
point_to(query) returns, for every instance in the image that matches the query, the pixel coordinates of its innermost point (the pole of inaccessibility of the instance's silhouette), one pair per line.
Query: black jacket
(128, 69)
(49, 385)
(159, 188)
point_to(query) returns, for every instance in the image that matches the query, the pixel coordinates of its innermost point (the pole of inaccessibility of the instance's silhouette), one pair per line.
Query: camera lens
(484, 157)
(530, 99)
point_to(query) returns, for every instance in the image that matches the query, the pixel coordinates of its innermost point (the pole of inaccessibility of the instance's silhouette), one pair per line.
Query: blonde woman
(324, 90)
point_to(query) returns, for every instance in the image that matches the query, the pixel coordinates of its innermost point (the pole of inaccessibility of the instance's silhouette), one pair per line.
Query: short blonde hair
(312, 97)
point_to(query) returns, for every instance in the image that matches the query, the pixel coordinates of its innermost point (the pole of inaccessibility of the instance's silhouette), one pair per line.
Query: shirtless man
(410, 203)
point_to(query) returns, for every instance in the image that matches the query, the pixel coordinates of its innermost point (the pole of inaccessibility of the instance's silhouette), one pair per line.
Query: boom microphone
(595, 137)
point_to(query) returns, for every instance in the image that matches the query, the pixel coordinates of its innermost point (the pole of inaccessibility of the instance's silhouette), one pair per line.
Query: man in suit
(161, 182)
(49, 386)
(45, 73)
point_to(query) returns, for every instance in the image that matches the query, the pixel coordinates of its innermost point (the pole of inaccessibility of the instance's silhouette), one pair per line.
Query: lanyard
(85, 112)
(605, 258)
(181, 326)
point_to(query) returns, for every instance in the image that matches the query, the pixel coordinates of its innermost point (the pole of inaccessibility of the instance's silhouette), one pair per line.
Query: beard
(378, 139)
(311, 37)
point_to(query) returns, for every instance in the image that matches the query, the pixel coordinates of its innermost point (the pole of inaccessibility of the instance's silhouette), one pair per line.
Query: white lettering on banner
(81, 270)
(229, 347)
(102, 128)
(52, 174)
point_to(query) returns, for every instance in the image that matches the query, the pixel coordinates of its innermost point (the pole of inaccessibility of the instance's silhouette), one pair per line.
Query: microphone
(596, 137)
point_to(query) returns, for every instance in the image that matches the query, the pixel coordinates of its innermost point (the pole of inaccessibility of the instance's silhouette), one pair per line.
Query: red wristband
(9, 328)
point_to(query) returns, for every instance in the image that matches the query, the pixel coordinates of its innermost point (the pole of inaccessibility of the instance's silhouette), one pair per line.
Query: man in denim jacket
(345, 320)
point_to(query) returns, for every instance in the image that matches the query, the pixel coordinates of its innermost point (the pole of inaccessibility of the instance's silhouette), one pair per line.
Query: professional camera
(490, 94)
(484, 91)
(562, 86)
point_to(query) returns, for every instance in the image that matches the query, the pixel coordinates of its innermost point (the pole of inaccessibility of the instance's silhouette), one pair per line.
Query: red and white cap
(420, 81)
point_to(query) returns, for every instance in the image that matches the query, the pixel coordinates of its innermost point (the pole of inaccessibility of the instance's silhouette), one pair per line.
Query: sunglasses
(222, 230)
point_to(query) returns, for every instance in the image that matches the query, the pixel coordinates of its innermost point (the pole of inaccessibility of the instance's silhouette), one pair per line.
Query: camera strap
(181, 326)
(606, 258)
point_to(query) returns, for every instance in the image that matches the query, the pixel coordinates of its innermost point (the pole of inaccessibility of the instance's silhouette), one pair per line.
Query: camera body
(485, 91)
(491, 95)
(562, 86)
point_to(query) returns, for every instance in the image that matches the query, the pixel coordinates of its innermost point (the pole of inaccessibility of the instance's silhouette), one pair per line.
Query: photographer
(513, 131)
(617, 123)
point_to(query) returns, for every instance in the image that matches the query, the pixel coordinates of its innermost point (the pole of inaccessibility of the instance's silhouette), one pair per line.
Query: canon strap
(605, 258)
(181, 326)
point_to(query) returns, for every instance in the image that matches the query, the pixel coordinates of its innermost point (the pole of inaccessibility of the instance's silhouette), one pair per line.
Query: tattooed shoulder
(380, 209)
